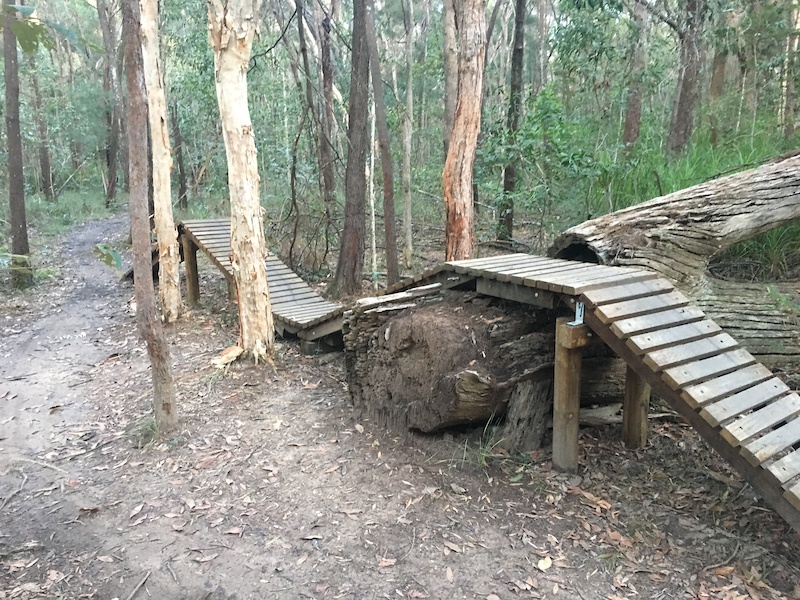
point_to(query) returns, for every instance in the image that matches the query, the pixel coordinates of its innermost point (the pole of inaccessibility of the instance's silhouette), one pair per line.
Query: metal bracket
(579, 310)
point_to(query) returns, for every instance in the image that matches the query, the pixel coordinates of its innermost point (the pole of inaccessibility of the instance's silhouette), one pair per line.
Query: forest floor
(272, 488)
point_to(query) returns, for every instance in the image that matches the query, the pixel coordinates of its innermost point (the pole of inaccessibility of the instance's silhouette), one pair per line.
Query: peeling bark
(232, 25)
(169, 287)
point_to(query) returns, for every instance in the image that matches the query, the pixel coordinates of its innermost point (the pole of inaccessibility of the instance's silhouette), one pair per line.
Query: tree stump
(456, 358)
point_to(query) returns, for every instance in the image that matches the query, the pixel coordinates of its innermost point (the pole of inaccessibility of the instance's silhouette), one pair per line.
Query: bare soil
(271, 488)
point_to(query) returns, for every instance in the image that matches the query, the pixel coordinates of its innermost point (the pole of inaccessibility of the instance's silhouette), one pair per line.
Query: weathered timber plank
(786, 468)
(488, 264)
(598, 280)
(627, 291)
(314, 332)
(517, 293)
(741, 402)
(628, 327)
(409, 281)
(763, 483)
(707, 368)
(643, 306)
(293, 295)
(671, 356)
(761, 420)
(504, 273)
(488, 261)
(662, 338)
(792, 495)
(725, 385)
(774, 442)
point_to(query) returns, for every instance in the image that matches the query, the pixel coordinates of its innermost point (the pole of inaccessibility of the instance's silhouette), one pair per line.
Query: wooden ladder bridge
(744, 412)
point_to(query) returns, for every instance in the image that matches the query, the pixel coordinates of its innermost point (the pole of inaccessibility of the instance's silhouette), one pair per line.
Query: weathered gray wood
(707, 368)
(743, 428)
(628, 327)
(739, 403)
(662, 338)
(678, 236)
(509, 291)
(664, 358)
(627, 291)
(786, 468)
(772, 443)
(725, 385)
(643, 306)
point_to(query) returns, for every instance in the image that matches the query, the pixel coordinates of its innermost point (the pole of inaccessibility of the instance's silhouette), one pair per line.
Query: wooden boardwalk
(736, 404)
(296, 307)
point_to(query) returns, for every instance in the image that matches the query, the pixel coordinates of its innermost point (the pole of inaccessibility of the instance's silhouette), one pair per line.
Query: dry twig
(17, 491)
(139, 585)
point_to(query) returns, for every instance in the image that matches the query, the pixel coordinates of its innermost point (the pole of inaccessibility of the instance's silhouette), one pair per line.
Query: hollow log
(678, 235)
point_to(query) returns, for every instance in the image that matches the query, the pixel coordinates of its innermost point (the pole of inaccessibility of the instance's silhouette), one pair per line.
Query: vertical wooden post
(567, 393)
(635, 406)
(190, 262)
(232, 295)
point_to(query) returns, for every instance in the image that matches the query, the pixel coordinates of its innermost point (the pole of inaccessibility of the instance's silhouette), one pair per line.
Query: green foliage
(110, 256)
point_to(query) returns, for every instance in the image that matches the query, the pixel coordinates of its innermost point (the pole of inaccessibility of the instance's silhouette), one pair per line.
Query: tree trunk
(450, 58)
(166, 412)
(108, 30)
(327, 127)
(20, 261)
(687, 96)
(633, 110)
(505, 223)
(715, 91)
(183, 189)
(387, 168)
(408, 126)
(789, 74)
(678, 235)
(457, 174)
(232, 25)
(351, 252)
(45, 167)
(169, 286)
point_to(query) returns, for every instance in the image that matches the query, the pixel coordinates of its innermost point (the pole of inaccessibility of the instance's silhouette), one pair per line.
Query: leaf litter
(261, 455)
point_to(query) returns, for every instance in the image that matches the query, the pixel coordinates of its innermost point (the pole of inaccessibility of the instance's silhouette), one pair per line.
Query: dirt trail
(273, 488)
(47, 353)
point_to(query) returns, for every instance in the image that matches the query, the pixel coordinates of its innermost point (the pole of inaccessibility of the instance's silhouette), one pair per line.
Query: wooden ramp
(296, 307)
(736, 404)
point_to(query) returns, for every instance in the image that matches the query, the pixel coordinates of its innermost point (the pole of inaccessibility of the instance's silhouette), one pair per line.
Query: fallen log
(456, 358)
(680, 234)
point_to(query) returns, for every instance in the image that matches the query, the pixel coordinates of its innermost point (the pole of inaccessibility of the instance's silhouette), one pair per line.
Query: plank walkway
(736, 404)
(296, 306)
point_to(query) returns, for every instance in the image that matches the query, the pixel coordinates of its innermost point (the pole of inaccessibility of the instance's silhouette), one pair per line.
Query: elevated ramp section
(296, 306)
(736, 404)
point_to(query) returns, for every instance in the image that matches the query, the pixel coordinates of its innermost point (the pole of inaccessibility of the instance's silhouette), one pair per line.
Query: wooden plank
(566, 393)
(601, 280)
(293, 295)
(319, 330)
(792, 495)
(635, 407)
(763, 419)
(509, 291)
(707, 368)
(510, 273)
(628, 327)
(736, 404)
(627, 291)
(786, 468)
(658, 360)
(732, 383)
(306, 312)
(488, 261)
(776, 441)
(662, 338)
(643, 306)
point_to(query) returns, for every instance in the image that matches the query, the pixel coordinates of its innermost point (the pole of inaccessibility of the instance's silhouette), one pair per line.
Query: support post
(570, 338)
(635, 407)
(232, 295)
(190, 262)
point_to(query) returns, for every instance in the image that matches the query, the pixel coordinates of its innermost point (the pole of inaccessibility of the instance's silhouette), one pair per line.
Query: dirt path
(272, 489)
